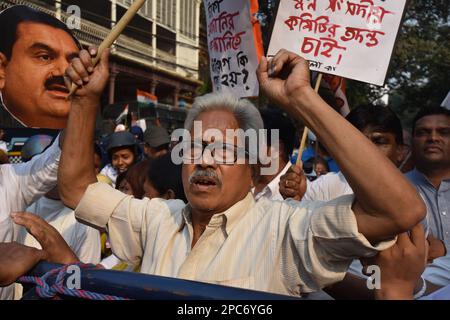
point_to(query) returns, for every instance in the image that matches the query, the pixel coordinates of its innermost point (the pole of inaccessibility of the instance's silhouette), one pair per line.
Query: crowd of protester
(309, 230)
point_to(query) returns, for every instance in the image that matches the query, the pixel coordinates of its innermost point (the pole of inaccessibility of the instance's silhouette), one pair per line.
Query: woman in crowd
(122, 152)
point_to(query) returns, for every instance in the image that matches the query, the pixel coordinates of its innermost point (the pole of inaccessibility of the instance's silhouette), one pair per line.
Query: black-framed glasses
(222, 153)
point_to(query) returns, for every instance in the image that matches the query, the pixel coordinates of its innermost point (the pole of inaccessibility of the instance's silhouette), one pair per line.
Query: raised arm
(76, 170)
(386, 203)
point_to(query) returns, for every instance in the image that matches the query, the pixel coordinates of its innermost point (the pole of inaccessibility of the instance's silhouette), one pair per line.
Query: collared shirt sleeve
(128, 220)
(29, 181)
(438, 272)
(325, 240)
(327, 187)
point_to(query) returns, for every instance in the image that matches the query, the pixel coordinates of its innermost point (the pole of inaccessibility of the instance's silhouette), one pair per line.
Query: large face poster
(35, 50)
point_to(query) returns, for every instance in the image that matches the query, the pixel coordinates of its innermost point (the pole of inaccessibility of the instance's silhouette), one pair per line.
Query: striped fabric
(275, 246)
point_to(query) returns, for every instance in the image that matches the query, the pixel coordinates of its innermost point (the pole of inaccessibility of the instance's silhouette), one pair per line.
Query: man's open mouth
(58, 88)
(204, 181)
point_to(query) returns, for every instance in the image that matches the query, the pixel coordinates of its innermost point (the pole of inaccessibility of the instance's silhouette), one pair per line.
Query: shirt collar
(420, 176)
(444, 186)
(226, 219)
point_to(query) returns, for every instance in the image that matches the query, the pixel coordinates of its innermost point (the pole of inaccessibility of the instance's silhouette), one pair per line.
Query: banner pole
(305, 131)
(114, 34)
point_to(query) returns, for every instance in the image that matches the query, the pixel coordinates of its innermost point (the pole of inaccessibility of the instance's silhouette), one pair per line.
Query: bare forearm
(381, 190)
(77, 171)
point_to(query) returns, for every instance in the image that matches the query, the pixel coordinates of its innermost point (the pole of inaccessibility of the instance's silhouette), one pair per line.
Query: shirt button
(444, 213)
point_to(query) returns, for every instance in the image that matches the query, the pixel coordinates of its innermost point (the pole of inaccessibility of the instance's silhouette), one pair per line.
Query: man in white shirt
(17, 259)
(281, 128)
(222, 235)
(20, 186)
(82, 239)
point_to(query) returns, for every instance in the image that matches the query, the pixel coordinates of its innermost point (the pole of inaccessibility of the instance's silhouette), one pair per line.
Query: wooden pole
(115, 33)
(305, 131)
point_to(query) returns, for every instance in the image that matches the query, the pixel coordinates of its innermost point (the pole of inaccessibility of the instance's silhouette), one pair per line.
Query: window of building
(166, 11)
(188, 19)
(146, 9)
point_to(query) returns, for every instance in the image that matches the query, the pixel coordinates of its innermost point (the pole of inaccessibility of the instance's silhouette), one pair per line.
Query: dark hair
(429, 112)
(379, 118)
(159, 148)
(318, 159)
(136, 175)
(163, 174)
(98, 150)
(120, 177)
(11, 18)
(275, 119)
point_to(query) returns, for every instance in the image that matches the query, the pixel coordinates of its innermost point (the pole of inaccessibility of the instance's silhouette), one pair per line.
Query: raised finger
(86, 59)
(418, 237)
(93, 50)
(282, 58)
(34, 225)
(403, 240)
(292, 176)
(74, 76)
(80, 69)
(67, 82)
(262, 71)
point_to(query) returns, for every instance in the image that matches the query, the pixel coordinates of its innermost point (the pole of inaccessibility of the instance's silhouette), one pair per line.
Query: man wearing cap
(157, 142)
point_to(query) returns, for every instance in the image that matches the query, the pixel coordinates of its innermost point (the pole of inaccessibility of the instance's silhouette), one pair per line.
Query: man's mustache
(208, 173)
(56, 82)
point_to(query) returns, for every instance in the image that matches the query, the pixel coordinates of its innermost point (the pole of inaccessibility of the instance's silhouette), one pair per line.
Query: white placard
(231, 46)
(349, 38)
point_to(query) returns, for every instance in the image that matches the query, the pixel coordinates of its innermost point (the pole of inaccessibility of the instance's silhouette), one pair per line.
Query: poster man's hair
(11, 18)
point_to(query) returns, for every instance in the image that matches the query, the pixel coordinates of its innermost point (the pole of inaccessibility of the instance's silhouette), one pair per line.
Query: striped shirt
(277, 246)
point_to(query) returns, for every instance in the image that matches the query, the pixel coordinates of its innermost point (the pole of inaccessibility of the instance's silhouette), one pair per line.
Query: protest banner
(231, 43)
(349, 38)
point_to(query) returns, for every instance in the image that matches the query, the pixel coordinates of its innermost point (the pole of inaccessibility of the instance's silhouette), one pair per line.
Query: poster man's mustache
(56, 83)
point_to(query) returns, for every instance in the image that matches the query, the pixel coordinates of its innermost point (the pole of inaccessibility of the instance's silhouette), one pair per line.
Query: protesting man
(222, 235)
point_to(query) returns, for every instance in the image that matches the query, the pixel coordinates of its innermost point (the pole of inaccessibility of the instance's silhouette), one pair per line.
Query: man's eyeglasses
(222, 153)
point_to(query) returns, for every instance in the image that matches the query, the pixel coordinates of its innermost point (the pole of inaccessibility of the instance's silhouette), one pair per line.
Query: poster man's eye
(45, 57)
